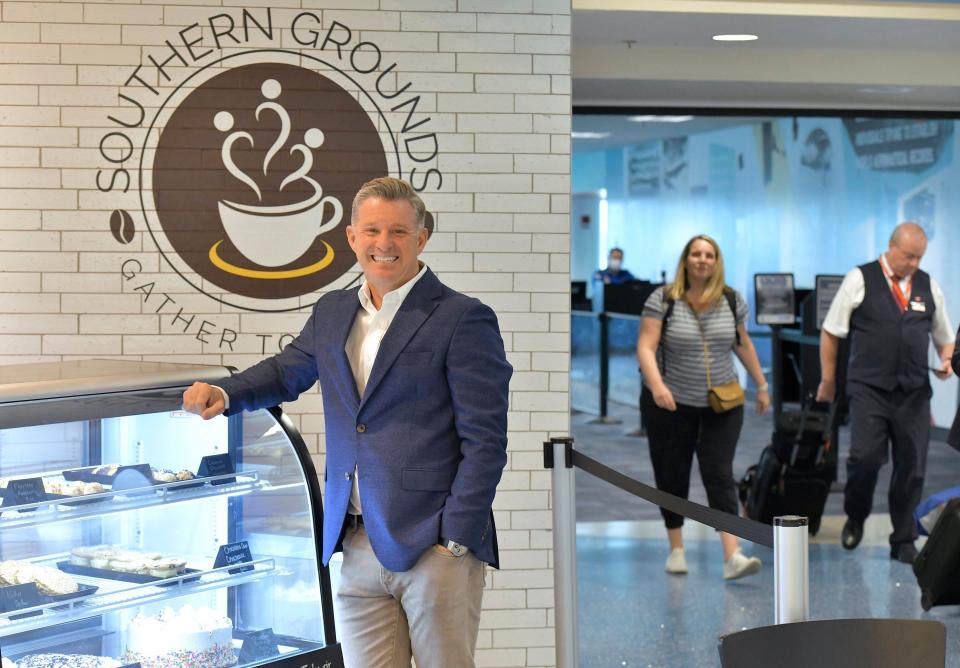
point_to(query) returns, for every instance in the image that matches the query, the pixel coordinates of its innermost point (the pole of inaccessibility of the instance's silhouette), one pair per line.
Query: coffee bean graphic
(121, 226)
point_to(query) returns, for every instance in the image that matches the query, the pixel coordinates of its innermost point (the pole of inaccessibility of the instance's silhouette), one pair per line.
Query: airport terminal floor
(632, 613)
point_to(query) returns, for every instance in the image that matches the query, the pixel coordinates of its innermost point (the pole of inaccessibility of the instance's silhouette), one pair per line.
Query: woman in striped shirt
(695, 321)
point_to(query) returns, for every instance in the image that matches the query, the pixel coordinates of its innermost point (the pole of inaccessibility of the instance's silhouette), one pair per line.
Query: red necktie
(898, 293)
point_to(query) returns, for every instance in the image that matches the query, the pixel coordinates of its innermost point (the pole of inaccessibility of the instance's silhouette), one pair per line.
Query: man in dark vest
(890, 308)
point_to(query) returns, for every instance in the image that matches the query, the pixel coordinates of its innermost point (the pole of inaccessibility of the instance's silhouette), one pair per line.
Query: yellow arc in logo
(220, 263)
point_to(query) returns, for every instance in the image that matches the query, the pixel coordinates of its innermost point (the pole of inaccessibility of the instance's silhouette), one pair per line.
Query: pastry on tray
(166, 475)
(106, 470)
(49, 581)
(72, 488)
(125, 560)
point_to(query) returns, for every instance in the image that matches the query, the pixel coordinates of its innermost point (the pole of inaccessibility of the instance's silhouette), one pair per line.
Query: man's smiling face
(385, 237)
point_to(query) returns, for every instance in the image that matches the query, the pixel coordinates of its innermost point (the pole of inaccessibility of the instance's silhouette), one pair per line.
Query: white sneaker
(676, 562)
(740, 565)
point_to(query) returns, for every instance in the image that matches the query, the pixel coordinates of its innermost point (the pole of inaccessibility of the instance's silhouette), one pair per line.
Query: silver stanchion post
(791, 569)
(558, 455)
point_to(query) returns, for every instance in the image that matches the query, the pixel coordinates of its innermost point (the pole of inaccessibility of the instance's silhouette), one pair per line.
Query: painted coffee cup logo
(244, 163)
(254, 229)
(253, 176)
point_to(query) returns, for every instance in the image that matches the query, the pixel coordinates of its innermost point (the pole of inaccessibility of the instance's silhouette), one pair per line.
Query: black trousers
(902, 419)
(674, 438)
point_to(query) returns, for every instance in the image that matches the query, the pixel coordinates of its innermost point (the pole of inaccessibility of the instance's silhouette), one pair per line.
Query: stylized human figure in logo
(274, 236)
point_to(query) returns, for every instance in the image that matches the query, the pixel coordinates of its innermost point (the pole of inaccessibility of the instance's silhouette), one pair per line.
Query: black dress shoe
(852, 533)
(904, 552)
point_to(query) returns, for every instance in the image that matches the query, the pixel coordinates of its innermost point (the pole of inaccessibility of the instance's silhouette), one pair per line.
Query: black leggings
(675, 436)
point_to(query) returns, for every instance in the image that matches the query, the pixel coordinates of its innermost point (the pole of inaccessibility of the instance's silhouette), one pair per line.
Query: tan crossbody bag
(727, 396)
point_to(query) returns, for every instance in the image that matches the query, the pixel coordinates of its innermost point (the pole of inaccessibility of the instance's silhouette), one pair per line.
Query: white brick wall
(494, 77)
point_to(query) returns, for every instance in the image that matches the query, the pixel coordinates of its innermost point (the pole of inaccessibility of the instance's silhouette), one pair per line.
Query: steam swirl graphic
(313, 138)
(274, 235)
(223, 121)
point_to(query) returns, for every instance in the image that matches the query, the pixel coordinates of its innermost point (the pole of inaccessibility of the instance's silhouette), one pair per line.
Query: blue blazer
(429, 434)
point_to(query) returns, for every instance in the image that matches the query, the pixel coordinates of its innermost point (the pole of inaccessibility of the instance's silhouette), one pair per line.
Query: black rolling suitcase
(938, 566)
(808, 431)
(792, 476)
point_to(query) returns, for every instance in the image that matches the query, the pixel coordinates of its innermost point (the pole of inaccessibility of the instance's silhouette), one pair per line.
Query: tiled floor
(634, 614)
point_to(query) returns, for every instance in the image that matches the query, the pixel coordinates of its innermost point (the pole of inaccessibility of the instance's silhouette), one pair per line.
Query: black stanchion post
(776, 352)
(604, 369)
(604, 362)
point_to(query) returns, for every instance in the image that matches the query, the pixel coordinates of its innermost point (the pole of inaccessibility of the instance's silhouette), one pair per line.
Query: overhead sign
(897, 144)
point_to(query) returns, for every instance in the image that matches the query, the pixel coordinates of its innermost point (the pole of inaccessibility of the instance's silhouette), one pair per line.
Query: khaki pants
(430, 612)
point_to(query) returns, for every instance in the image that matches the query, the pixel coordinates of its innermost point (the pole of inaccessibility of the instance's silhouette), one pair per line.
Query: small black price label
(213, 465)
(234, 553)
(330, 656)
(25, 490)
(258, 646)
(17, 597)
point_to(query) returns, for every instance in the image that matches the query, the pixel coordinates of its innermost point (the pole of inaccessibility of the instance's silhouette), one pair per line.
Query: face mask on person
(614, 264)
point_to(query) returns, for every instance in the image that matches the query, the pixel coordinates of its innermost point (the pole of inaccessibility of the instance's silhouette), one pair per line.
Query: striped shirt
(680, 353)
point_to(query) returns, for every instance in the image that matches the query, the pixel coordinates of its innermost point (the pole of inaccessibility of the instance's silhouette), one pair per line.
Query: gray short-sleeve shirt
(680, 355)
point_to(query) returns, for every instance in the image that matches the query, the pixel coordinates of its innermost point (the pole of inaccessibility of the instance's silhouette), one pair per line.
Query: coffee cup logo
(253, 176)
(252, 228)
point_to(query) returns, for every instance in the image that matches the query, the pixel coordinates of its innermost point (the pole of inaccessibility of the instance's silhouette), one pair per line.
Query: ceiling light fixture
(734, 38)
(589, 135)
(652, 118)
(886, 90)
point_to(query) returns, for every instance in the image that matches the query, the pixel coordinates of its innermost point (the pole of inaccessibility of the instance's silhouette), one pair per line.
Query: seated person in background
(614, 274)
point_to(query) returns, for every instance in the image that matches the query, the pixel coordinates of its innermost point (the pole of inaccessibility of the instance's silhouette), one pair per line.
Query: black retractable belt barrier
(604, 362)
(755, 532)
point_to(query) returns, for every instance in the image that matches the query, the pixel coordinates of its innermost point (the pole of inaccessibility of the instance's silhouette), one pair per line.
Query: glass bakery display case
(135, 534)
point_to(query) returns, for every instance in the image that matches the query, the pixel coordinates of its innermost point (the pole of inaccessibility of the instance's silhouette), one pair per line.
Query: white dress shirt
(851, 293)
(363, 344)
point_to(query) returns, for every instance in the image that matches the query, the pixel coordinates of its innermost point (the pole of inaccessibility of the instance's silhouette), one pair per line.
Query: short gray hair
(391, 190)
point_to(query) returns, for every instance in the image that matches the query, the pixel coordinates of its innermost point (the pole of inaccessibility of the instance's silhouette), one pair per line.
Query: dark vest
(888, 346)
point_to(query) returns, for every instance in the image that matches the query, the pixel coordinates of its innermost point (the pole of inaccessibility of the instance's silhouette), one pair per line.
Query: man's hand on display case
(204, 399)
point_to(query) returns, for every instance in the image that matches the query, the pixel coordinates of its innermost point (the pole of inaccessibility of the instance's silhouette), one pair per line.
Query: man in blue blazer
(414, 382)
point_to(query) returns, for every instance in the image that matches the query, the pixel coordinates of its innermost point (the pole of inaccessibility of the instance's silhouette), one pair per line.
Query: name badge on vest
(918, 306)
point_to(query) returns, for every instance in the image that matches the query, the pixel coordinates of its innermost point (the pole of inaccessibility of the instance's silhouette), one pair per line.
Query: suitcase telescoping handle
(831, 427)
(805, 406)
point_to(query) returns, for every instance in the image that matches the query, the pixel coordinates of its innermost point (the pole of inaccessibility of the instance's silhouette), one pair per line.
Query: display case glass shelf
(133, 533)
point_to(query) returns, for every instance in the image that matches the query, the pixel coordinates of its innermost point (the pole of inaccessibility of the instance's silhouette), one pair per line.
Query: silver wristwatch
(456, 549)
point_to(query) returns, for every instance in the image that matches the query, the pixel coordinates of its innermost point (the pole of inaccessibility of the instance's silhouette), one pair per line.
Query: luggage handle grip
(806, 404)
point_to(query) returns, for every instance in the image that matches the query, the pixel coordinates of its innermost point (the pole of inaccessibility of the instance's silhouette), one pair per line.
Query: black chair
(838, 643)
